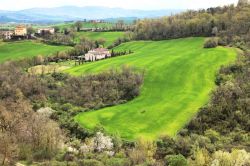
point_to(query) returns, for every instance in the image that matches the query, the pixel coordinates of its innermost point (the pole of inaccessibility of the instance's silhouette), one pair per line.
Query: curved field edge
(179, 77)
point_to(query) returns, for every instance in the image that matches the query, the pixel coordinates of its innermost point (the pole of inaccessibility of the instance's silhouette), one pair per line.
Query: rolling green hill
(24, 49)
(110, 37)
(179, 76)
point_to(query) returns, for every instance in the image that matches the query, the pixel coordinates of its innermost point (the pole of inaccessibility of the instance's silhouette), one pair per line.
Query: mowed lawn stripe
(179, 76)
(26, 49)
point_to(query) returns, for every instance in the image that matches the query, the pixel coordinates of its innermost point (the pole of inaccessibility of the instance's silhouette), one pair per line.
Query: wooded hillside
(228, 22)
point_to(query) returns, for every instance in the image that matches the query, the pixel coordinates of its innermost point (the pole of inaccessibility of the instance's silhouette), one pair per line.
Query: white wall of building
(94, 55)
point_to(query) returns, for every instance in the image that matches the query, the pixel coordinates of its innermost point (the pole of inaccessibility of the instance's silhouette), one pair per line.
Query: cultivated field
(110, 37)
(24, 49)
(179, 77)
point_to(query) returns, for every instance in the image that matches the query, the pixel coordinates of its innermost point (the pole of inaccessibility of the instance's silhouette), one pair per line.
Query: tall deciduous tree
(78, 25)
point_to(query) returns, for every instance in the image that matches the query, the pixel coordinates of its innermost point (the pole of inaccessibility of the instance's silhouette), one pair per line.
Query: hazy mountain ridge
(67, 13)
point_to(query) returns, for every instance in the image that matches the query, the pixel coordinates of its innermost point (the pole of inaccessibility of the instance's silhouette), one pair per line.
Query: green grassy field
(85, 25)
(179, 77)
(110, 37)
(25, 49)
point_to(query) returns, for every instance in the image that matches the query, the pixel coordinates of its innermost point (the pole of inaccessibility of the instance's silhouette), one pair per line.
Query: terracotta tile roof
(20, 26)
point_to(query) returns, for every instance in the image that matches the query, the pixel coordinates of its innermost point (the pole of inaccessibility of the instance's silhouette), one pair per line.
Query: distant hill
(68, 13)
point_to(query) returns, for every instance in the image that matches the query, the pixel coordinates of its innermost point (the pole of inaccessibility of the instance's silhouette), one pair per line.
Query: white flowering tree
(102, 143)
(99, 143)
(46, 112)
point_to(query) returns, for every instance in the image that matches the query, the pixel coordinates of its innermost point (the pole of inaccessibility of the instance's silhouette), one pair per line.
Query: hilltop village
(21, 32)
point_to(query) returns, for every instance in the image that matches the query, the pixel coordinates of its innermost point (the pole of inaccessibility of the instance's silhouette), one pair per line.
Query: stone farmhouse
(20, 31)
(97, 54)
(43, 31)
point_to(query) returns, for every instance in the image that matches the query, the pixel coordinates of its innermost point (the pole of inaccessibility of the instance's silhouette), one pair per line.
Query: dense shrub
(223, 41)
(176, 160)
(118, 162)
(96, 91)
(90, 162)
(211, 43)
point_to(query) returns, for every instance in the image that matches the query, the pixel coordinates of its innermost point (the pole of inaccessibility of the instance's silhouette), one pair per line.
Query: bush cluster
(211, 43)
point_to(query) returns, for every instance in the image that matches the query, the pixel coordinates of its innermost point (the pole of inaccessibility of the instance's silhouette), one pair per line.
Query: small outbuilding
(43, 31)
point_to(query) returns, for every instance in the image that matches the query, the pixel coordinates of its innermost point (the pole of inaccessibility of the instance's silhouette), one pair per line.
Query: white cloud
(131, 4)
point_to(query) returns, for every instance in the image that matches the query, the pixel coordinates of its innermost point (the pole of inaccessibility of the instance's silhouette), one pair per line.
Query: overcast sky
(129, 4)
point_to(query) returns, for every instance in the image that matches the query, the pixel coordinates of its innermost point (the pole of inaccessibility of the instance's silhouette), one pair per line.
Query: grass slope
(110, 37)
(179, 77)
(25, 49)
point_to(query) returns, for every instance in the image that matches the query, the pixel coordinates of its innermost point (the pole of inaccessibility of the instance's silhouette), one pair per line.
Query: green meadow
(179, 77)
(110, 37)
(26, 49)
